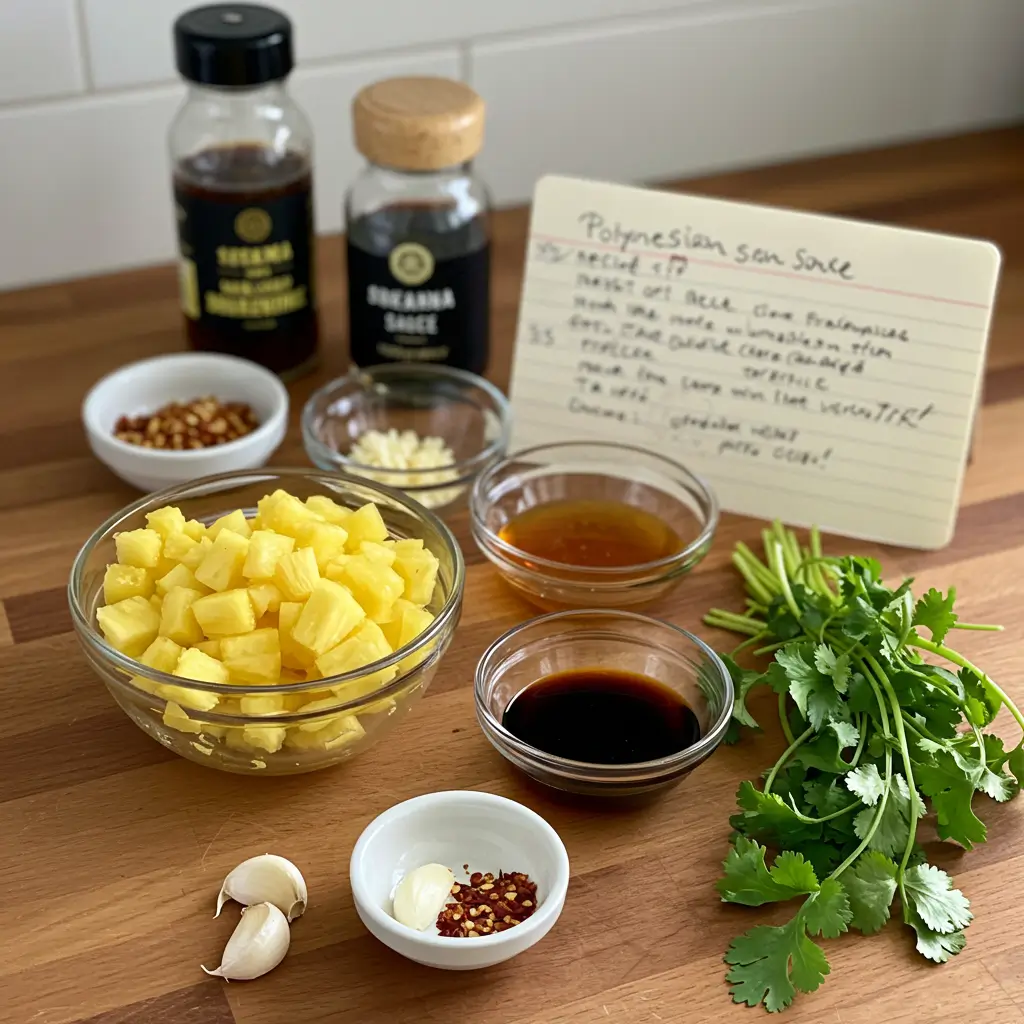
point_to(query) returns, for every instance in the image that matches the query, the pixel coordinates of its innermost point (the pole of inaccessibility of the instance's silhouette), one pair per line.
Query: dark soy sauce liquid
(602, 716)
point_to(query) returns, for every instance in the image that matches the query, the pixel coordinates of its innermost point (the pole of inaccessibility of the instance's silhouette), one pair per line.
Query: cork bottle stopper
(418, 124)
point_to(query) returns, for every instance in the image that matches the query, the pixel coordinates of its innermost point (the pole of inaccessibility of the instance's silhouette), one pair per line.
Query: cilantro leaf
(935, 945)
(827, 911)
(837, 668)
(983, 702)
(769, 817)
(995, 785)
(935, 612)
(930, 892)
(749, 881)
(822, 753)
(813, 692)
(952, 795)
(870, 884)
(893, 831)
(866, 783)
(825, 796)
(847, 734)
(769, 964)
(743, 682)
(1015, 762)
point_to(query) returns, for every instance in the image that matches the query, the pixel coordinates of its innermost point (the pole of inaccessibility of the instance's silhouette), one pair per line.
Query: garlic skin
(257, 945)
(421, 895)
(266, 879)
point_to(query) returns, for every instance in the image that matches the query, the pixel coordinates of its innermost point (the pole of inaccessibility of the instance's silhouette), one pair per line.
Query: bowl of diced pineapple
(268, 621)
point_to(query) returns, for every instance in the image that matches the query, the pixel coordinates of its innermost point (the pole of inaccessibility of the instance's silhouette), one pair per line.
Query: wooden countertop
(112, 849)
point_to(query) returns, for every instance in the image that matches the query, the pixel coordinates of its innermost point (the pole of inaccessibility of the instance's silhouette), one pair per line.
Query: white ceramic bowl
(486, 832)
(148, 385)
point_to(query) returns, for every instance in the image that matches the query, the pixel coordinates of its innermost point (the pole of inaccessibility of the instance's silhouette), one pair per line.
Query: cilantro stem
(779, 567)
(771, 647)
(746, 643)
(784, 719)
(786, 755)
(862, 728)
(755, 567)
(828, 817)
(754, 583)
(981, 626)
(875, 821)
(735, 623)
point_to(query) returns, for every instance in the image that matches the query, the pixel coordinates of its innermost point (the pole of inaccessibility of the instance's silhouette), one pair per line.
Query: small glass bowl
(620, 640)
(467, 412)
(581, 470)
(282, 742)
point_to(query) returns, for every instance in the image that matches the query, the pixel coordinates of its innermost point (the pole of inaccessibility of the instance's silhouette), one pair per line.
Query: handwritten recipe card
(815, 369)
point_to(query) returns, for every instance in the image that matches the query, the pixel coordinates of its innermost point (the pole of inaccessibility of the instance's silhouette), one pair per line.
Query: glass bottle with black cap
(242, 152)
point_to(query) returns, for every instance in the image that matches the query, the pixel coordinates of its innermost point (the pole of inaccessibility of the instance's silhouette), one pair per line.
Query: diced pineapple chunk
(363, 647)
(193, 558)
(326, 540)
(140, 548)
(167, 521)
(296, 574)
(407, 622)
(284, 513)
(266, 549)
(330, 614)
(195, 529)
(378, 552)
(334, 733)
(233, 521)
(194, 664)
(406, 544)
(375, 586)
(176, 718)
(130, 625)
(265, 597)
(177, 619)
(179, 576)
(293, 654)
(328, 509)
(225, 614)
(221, 569)
(254, 657)
(157, 601)
(334, 570)
(178, 545)
(365, 524)
(268, 620)
(418, 568)
(162, 654)
(210, 647)
(259, 705)
(121, 581)
(264, 737)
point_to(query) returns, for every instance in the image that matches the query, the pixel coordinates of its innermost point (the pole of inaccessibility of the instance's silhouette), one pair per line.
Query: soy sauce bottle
(418, 231)
(242, 156)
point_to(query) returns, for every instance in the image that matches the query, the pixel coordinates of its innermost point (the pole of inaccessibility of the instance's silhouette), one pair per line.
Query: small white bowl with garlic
(465, 831)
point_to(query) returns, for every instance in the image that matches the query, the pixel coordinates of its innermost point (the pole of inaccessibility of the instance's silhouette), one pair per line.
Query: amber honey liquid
(592, 533)
(602, 716)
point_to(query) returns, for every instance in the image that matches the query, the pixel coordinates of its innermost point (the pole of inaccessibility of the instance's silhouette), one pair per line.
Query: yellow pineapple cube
(326, 540)
(179, 576)
(284, 513)
(406, 544)
(193, 558)
(293, 675)
(363, 647)
(264, 737)
(293, 654)
(365, 524)
(221, 569)
(177, 618)
(225, 614)
(334, 570)
(162, 654)
(259, 705)
(167, 521)
(418, 568)
(327, 509)
(121, 581)
(266, 549)
(332, 733)
(210, 647)
(130, 625)
(268, 620)
(140, 548)
(380, 553)
(157, 601)
(178, 546)
(296, 574)
(330, 614)
(254, 657)
(233, 521)
(407, 622)
(265, 597)
(176, 718)
(195, 529)
(374, 585)
(194, 664)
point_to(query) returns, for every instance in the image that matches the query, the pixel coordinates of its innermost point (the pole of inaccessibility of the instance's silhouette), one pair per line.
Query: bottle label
(245, 267)
(409, 306)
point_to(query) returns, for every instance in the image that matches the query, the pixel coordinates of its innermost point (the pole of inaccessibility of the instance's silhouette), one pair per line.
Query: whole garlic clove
(266, 879)
(257, 945)
(421, 896)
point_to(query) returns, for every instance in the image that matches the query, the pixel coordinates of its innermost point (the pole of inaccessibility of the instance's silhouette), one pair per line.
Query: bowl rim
(263, 432)
(693, 754)
(446, 616)
(530, 563)
(363, 376)
(548, 911)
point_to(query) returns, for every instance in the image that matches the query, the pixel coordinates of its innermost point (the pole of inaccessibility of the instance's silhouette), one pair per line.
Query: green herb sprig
(875, 735)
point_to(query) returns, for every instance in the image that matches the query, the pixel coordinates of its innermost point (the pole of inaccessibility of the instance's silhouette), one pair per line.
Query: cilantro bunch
(875, 736)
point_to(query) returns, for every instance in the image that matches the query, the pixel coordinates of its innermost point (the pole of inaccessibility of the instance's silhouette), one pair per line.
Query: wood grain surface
(112, 849)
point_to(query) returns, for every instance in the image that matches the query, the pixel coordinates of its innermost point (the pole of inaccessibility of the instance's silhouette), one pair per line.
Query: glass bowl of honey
(599, 702)
(588, 524)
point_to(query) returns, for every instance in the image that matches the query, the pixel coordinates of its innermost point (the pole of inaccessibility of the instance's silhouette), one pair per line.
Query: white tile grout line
(78, 16)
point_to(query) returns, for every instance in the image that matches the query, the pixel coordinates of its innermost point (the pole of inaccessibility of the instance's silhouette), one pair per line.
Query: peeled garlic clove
(421, 896)
(257, 945)
(266, 879)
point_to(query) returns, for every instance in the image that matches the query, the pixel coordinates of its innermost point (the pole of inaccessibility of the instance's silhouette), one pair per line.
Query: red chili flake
(488, 904)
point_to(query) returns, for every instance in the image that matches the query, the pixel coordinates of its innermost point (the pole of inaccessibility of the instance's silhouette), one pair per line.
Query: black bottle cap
(233, 44)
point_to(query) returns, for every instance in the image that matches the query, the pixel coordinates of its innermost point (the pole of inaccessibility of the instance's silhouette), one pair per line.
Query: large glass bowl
(225, 737)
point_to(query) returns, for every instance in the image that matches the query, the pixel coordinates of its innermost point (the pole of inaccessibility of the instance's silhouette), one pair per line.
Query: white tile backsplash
(618, 89)
(39, 49)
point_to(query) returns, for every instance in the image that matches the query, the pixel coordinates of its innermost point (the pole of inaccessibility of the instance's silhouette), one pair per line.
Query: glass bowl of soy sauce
(601, 702)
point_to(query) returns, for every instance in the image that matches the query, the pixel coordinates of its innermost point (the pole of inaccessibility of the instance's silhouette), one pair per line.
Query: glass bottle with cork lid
(242, 155)
(418, 231)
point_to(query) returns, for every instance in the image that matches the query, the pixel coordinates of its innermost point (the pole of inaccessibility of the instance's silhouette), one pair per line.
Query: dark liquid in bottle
(602, 716)
(246, 231)
(591, 533)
